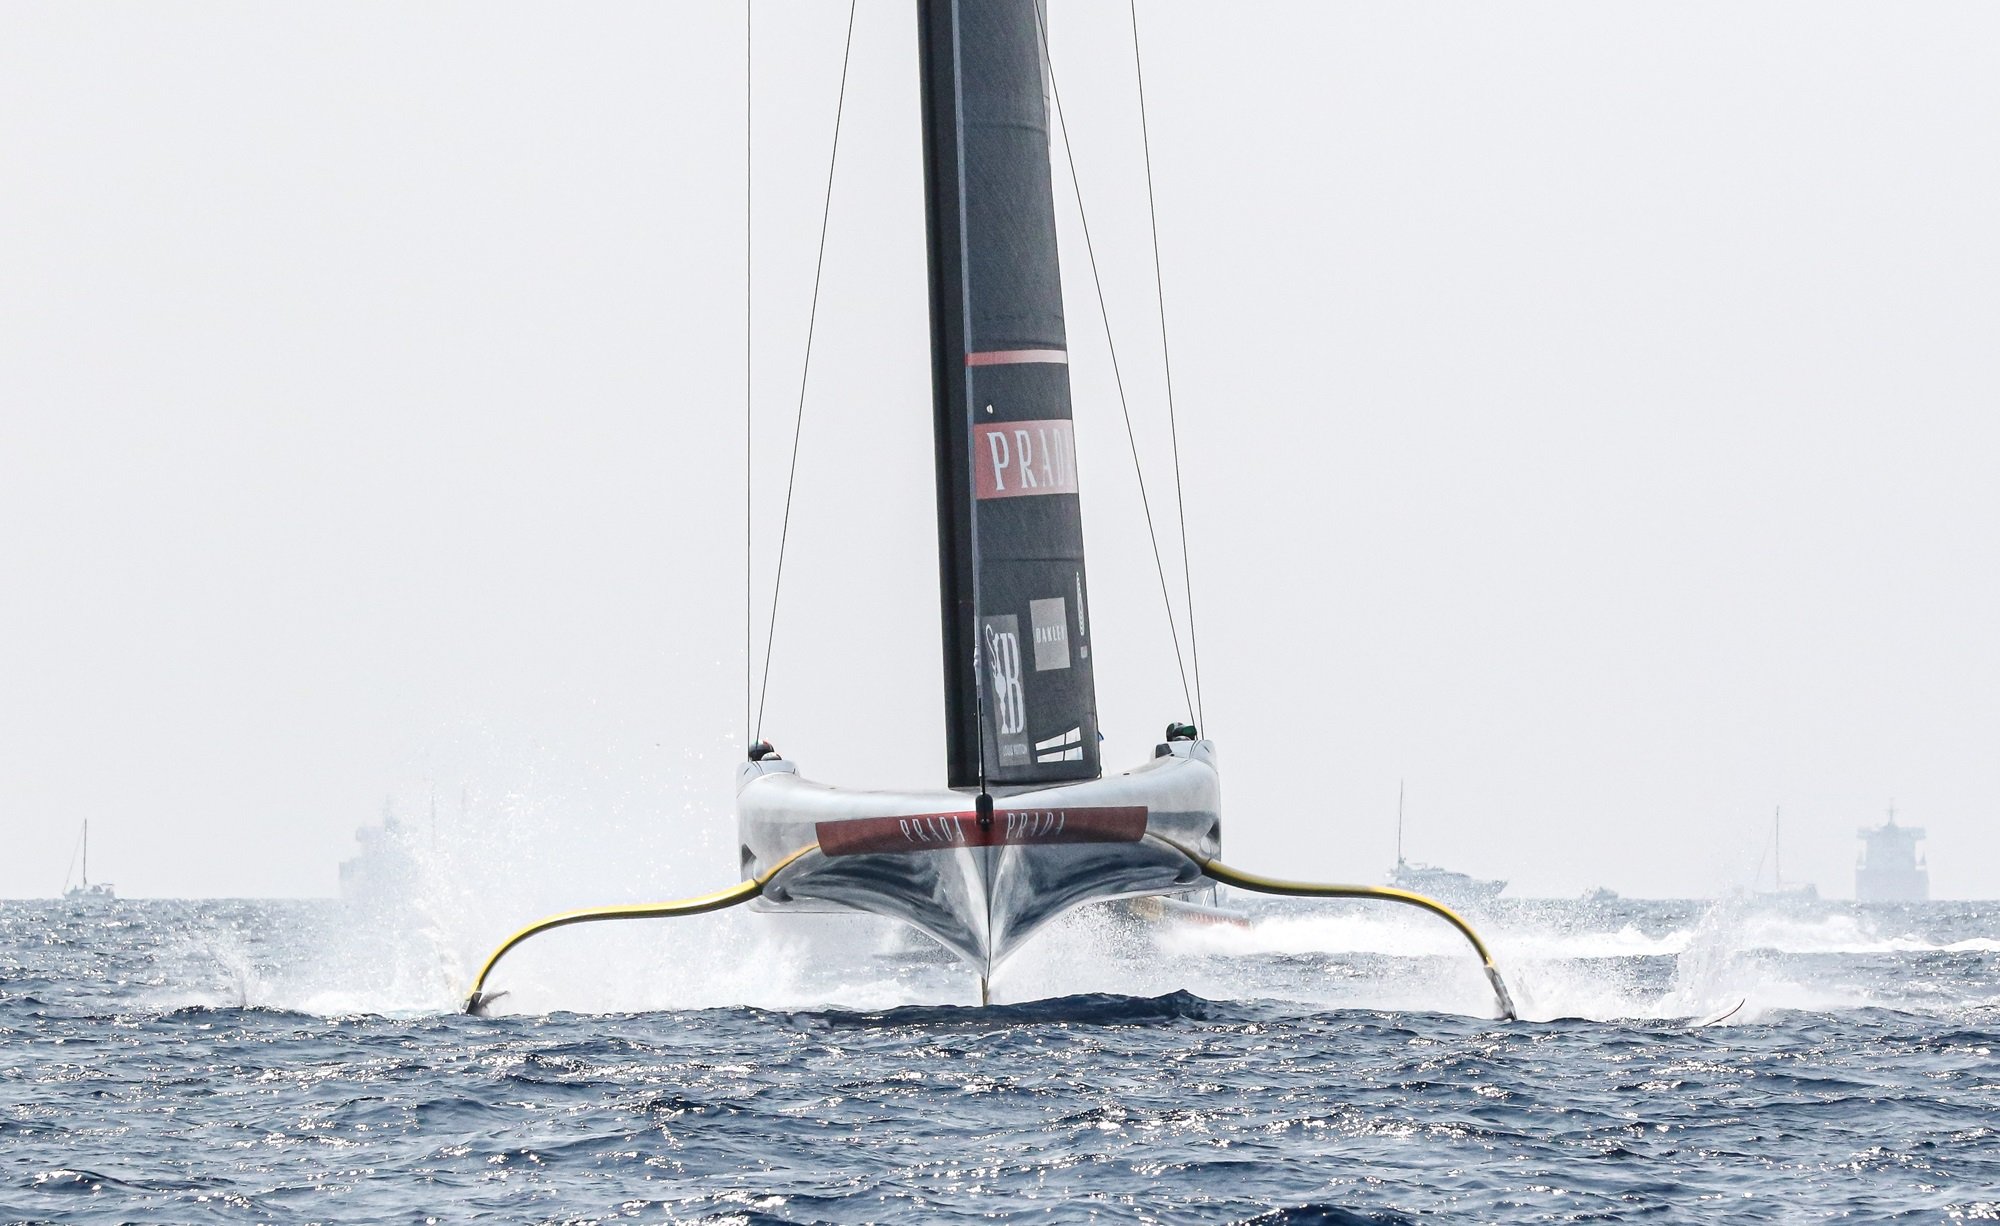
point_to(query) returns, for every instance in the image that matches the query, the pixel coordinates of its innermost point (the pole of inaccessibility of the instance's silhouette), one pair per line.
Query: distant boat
(386, 868)
(1795, 893)
(84, 891)
(1443, 884)
(1891, 868)
(1600, 894)
(1452, 888)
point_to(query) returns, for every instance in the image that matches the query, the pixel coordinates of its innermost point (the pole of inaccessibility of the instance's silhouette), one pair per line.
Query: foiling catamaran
(1029, 826)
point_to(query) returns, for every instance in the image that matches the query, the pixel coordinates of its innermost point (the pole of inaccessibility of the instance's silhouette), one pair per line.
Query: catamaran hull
(981, 891)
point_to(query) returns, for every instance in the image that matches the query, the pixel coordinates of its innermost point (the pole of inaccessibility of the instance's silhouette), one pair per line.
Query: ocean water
(251, 1061)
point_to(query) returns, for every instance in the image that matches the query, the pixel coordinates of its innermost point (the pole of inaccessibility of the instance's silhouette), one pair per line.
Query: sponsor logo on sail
(1049, 620)
(1063, 747)
(1021, 458)
(1009, 705)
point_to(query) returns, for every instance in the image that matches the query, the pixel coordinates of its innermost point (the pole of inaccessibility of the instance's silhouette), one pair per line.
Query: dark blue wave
(1325, 1215)
(1092, 1009)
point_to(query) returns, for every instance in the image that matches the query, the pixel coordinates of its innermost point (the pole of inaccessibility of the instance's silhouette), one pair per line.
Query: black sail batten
(1013, 591)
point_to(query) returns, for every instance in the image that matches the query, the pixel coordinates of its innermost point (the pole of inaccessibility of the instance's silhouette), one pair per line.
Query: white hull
(980, 891)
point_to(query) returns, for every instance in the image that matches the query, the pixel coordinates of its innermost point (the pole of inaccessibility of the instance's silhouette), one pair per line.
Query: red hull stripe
(1015, 357)
(860, 836)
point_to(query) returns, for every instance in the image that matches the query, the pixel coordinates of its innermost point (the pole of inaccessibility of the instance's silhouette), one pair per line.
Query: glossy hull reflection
(981, 891)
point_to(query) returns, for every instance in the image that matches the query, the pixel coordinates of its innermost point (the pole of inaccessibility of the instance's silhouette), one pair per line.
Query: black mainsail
(1020, 701)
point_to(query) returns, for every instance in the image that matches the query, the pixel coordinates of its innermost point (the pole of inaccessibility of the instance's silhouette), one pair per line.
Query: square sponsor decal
(1050, 619)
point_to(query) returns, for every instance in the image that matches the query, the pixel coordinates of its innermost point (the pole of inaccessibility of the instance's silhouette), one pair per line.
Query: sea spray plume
(1572, 961)
(1724, 963)
(537, 833)
(1097, 949)
(550, 843)
(1566, 960)
(1333, 954)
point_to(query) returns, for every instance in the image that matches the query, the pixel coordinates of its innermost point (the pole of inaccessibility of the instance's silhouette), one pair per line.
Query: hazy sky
(1587, 416)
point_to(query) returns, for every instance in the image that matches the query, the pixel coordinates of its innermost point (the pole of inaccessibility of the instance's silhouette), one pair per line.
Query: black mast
(1010, 527)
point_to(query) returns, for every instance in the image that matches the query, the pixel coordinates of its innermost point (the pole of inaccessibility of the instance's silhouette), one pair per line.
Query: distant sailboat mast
(83, 890)
(82, 849)
(1780, 889)
(1399, 823)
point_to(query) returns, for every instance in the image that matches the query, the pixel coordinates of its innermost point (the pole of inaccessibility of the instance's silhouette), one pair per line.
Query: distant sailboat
(84, 891)
(1451, 888)
(1797, 891)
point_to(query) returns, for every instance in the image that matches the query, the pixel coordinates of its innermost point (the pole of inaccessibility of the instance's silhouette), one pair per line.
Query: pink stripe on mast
(1015, 357)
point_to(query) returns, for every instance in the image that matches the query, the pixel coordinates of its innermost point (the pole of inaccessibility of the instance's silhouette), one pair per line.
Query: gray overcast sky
(1588, 415)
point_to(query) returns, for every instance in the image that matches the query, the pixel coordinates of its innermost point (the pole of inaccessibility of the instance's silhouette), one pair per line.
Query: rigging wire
(749, 367)
(1167, 363)
(798, 421)
(1104, 313)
